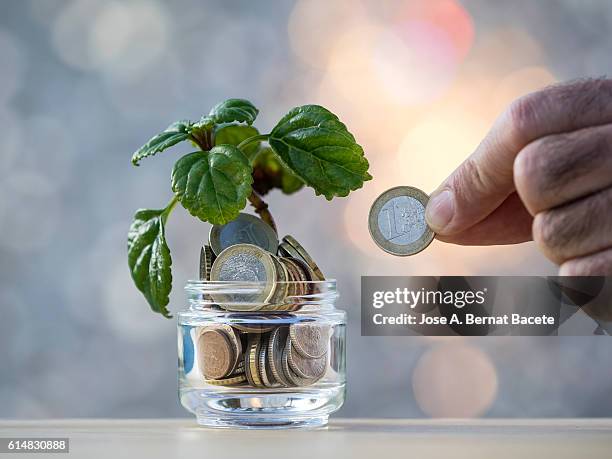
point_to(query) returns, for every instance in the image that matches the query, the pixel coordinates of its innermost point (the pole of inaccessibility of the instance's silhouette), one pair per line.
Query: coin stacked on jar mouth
(295, 355)
(247, 250)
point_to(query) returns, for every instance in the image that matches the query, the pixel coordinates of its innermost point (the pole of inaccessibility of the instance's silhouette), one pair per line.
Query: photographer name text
(464, 319)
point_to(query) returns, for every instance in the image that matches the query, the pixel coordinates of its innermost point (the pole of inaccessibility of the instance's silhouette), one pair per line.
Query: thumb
(474, 190)
(485, 179)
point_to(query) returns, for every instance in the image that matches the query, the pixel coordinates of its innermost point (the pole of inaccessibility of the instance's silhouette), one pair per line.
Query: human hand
(543, 172)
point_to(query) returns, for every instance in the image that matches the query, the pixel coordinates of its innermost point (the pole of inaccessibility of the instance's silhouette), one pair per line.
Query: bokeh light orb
(118, 39)
(453, 380)
(435, 146)
(314, 24)
(127, 38)
(448, 16)
(414, 64)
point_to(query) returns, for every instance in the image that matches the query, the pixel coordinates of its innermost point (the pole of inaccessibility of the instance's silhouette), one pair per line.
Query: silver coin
(397, 221)
(264, 370)
(244, 229)
(307, 368)
(276, 345)
(309, 339)
(294, 379)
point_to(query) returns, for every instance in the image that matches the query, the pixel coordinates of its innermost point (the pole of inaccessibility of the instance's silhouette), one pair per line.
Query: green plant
(235, 163)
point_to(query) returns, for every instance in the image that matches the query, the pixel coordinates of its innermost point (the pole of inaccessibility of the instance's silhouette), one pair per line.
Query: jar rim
(248, 296)
(205, 285)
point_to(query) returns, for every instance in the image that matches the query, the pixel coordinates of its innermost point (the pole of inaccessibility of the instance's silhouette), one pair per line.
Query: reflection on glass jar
(275, 362)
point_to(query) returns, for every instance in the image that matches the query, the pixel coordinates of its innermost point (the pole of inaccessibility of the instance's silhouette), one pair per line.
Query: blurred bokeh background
(83, 83)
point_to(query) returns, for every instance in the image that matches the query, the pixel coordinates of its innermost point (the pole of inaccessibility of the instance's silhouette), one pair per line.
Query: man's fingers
(597, 264)
(577, 229)
(485, 179)
(510, 223)
(560, 168)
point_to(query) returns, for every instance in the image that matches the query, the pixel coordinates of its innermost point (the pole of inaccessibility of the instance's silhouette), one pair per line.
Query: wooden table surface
(350, 438)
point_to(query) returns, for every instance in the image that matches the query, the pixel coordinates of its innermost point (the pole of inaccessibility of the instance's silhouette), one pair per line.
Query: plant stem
(169, 207)
(255, 138)
(199, 142)
(261, 208)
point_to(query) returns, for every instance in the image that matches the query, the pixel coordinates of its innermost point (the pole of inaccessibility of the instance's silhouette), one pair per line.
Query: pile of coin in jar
(277, 356)
(256, 354)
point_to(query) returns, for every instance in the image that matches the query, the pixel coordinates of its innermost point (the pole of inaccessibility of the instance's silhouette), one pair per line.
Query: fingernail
(440, 210)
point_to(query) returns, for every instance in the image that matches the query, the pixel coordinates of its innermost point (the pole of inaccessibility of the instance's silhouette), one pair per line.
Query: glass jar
(256, 356)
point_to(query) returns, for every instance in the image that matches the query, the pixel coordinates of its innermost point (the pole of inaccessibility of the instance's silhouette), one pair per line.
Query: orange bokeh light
(453, 380)
(446, 15)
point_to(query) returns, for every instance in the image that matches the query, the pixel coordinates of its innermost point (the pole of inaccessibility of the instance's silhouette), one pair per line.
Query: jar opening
(240, 296)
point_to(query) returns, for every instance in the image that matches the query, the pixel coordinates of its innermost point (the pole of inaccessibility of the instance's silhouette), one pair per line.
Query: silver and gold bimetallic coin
(245, 263)
(244, 229)
(397, 221)
(280, 282)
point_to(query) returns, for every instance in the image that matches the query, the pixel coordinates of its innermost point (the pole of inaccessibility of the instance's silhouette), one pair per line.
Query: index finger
(486, 178)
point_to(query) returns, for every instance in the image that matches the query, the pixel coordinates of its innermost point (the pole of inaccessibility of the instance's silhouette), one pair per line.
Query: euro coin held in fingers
(397, 221)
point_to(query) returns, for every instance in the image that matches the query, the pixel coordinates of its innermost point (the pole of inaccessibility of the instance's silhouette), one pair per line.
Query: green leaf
(269, 173)
(317, 147)
(149, 258)
(173, 134)
(231, 110)
(214, 185)
(233, 134)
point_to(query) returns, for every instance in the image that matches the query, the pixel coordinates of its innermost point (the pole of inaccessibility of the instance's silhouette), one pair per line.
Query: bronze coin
(235, 341)
(310, 340)
(297, 277)
(215, 354)
(307, 275)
